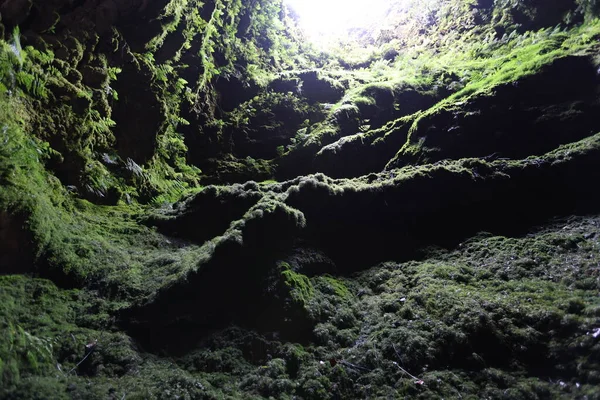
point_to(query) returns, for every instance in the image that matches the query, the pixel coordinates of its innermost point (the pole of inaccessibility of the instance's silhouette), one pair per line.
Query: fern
(162, 72)
(101, 126)
(99, 130)
(32, 84)
(40, 57)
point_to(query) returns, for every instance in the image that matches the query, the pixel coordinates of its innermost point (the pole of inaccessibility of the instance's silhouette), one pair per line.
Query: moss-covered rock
(410, 249)
(546, 110)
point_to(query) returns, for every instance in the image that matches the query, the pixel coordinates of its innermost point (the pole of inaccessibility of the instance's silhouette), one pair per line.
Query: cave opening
(327, 22)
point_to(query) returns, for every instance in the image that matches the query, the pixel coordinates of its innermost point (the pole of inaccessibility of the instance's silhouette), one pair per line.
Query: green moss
(321, 135)
(520, 57)
(300, 287)
(446, 308)
(497, 317)
(87, 242)
(47, 329)
(27, 347)
(338, 286)
(470, 62)
(364, 101)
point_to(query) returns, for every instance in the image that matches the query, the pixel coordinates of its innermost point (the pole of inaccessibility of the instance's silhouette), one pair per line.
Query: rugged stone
(528, 117)
(16, 245)
(319, 89)
(14, 12)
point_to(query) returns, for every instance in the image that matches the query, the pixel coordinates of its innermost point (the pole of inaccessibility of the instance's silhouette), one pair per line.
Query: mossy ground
(517, 321)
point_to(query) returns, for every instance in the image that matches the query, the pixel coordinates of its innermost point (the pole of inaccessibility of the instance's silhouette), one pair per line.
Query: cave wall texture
(198, 203)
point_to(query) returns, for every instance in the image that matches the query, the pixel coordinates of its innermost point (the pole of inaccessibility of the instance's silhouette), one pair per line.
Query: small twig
(397, 354)
(79, 363)
(90, 347)
(417, 380)
(347, 364)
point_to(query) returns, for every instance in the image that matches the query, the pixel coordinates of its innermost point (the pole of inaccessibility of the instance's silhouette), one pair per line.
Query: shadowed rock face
(526, 117)
(530, 116)
(139, 114)
(16, 248)
(359, 222)
(536, 14)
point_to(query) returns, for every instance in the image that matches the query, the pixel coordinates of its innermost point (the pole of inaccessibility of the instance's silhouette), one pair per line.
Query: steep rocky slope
(197, 203)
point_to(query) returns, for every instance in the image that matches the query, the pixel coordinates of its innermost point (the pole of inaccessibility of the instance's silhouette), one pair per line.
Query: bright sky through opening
(323, 20)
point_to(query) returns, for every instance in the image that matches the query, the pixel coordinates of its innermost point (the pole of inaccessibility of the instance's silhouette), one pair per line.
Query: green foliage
(338, 287)
(167, 176)
(589, 8)
(113, 72)
(281, 113)
(463, 65)
(90, 243)
(100, 127)
(46, 330)
(299, 286)
(21, 69)
(482, 320)
(31, 84)
(27, 347)
(516, 58)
